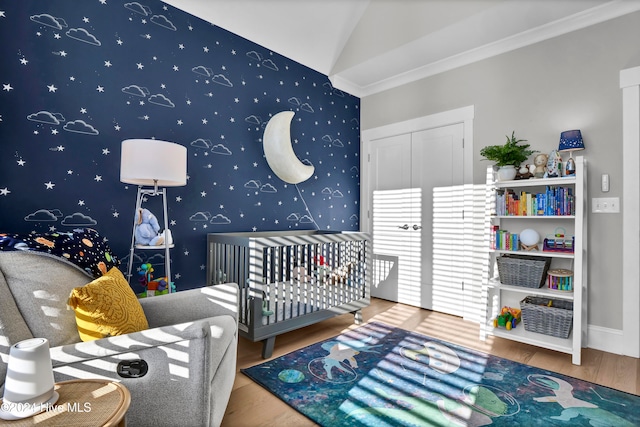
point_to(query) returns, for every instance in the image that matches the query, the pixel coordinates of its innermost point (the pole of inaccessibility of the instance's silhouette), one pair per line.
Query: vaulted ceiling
(367, 46)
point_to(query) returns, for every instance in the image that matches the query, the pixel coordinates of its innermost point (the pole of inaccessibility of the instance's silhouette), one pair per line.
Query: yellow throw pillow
(107, 306)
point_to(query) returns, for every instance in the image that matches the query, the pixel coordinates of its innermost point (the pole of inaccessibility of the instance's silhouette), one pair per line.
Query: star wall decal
(231, 85)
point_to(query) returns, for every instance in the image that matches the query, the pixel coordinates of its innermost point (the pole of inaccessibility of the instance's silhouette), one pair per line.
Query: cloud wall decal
(222, 80)
(221, 149)
(138, 8)
(220, 219)
(46, 117)
(136, 90)
(41, 215)
(78, 220)
(86, 75)
(48, 20)
(201, 143)
(83, 35)
(162, 21)
(161, 100)
(80, 126)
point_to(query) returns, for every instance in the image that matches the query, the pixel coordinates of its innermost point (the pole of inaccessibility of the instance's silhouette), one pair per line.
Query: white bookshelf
(495, 295)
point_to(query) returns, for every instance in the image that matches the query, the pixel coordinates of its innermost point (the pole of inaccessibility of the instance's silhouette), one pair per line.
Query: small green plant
(508, 154)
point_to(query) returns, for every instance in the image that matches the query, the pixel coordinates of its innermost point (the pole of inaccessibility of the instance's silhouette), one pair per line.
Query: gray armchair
(190, 346)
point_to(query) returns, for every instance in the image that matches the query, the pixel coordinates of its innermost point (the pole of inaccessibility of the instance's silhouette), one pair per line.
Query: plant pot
(507, 173)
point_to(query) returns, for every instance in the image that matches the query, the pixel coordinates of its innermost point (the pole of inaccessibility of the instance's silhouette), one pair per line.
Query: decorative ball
(529, 237)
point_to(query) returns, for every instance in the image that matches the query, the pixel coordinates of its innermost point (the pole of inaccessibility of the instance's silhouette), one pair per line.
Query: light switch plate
(604, 184)
(605, 205)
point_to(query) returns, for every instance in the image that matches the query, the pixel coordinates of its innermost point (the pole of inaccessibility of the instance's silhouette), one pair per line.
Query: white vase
(507, 173)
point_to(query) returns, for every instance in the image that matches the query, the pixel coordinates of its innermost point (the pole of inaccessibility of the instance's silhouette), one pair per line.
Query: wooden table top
(82, 402)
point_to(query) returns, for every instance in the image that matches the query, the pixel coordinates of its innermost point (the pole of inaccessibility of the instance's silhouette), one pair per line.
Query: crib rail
(290, 279)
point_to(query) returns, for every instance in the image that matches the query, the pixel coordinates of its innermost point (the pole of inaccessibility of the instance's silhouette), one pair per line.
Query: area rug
(378, 375)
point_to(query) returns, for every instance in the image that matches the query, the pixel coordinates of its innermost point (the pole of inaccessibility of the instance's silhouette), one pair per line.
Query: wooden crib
(293, 279)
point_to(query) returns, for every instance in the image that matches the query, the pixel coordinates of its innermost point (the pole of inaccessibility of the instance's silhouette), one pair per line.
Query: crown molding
(584, 19)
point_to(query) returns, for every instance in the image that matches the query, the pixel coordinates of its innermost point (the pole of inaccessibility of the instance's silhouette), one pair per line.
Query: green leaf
(511, 153)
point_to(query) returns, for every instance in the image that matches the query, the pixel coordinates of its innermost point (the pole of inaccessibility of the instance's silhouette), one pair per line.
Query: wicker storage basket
(556, 320)
(522, 270)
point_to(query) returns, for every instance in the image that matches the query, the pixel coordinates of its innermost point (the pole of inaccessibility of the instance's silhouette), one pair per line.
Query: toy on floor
(153, 287)
(508, 318)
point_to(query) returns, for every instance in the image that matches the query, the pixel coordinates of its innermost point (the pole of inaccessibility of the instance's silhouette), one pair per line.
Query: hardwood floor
(251, 405)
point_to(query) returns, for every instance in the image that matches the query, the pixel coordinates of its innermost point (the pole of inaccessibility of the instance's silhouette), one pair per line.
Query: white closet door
(437, 171)
(415, 180)
(391, 210)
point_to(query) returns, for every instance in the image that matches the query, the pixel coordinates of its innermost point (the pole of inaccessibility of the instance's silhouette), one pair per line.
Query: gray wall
(568, 82)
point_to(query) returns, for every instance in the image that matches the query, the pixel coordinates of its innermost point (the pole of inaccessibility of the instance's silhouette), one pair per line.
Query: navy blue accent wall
(78, 77)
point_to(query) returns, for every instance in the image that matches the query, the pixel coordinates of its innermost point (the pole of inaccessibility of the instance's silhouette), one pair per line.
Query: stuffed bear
(147, 229)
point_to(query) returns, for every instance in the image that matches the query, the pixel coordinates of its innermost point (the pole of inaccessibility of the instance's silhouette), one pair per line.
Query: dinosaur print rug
(378, 375)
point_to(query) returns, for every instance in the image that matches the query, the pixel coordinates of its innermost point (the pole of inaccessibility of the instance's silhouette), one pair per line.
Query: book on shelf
(555, 201)
(503, 240)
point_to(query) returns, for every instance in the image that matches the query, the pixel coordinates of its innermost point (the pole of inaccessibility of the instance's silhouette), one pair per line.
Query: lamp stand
(570, 166)
(166, 246)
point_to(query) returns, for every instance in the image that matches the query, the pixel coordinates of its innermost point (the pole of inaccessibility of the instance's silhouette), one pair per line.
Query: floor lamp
(153, 165)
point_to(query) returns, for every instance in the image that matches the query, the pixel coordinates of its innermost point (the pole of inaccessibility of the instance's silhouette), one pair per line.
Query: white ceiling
(367, 46)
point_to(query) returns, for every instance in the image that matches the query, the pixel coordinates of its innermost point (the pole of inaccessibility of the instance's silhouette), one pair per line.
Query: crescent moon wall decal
(279, 152)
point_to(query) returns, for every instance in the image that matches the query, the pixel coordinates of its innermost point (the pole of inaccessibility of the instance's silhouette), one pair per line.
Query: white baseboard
(607, 339)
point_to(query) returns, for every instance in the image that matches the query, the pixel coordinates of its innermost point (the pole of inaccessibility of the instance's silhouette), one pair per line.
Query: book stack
(503, 240)
(555, 201)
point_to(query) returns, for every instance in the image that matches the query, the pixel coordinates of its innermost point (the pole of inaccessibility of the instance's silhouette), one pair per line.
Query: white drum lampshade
(152, 162)
(28, 388)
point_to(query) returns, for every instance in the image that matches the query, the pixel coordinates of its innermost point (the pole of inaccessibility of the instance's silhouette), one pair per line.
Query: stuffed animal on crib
(342, 274)
(147, 229)
(300, 274)
(321, 268)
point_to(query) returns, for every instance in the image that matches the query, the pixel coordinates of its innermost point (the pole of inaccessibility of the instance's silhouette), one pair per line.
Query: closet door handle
(404, 227)
(417, 227)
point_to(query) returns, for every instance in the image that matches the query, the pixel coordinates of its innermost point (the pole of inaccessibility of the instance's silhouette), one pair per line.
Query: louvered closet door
(394, 258)
(416, 182)
(437, 171)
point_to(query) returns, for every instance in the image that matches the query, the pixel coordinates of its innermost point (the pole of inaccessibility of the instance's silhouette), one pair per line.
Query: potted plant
(508, 156)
